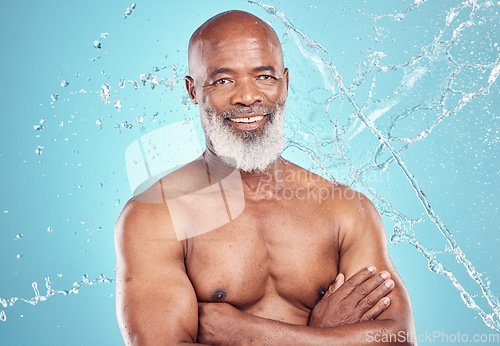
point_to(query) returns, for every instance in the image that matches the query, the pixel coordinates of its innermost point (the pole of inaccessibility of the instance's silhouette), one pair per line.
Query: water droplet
(100, 185)
(19, 236)
(117, 202)
(105, 92)
(5, 211)
(38, 150)
(129, 10)
(134, 84)
(2, 316)
(49, 229)
(99, 123)
(59, 275)
(118, 104)
(54, 97)
(19, 256)
(97, 44)
(395, 239)
(122, 83)
(103, 35)
(170, 83)
(39, 127)
(64, 83)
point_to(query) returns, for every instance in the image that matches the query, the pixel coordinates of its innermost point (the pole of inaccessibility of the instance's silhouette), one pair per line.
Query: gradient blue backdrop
(64, 185)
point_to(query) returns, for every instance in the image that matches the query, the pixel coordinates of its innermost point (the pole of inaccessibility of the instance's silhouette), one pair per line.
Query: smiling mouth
(247, 120)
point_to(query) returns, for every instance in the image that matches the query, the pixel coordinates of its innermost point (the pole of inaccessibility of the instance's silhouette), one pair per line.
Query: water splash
(101, 279)
(431, 58)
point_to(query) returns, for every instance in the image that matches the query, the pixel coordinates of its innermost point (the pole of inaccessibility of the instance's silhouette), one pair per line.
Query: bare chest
(284, 259)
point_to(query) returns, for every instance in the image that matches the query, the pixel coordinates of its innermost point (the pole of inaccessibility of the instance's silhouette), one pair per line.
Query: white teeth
(247, 120)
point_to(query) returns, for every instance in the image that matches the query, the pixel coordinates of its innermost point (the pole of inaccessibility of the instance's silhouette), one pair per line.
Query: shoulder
(356, 217)
(339, 197)
(349, 209)
(351, 201)
(141, 220)
(148, 214)
(143, 234)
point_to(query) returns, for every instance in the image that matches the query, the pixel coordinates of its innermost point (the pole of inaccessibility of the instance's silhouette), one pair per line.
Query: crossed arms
(157, 305)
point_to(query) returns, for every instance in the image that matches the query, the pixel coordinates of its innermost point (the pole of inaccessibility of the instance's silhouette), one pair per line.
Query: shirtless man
(241, 245)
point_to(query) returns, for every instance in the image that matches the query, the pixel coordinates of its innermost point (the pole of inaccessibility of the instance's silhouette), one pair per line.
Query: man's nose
(246, 93)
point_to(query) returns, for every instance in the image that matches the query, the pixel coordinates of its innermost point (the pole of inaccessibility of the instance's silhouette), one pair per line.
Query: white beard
(246, 150)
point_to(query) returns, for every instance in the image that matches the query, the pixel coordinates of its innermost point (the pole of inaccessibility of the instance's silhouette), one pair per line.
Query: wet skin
(270, 274)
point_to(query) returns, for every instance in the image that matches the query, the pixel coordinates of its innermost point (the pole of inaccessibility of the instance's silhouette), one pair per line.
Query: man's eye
(221, 81)
(266, 77)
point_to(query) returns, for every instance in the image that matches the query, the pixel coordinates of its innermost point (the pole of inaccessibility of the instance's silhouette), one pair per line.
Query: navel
(219, 295)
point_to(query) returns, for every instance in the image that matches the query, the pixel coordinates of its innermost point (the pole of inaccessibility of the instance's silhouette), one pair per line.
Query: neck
(254, 183)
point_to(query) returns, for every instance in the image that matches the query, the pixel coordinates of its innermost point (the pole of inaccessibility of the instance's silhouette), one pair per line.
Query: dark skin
(275, 272)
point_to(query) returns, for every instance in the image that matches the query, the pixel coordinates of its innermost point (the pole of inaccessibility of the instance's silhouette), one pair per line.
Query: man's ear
(285, 74)
(191, 89)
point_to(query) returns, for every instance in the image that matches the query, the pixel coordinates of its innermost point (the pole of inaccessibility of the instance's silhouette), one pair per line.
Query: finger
(374, 312)
(368, 286)
(356, 280)
(339, 281)
(375, 297)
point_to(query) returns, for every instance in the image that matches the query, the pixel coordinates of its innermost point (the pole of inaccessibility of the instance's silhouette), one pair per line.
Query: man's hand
(220, 322)
(361, 298)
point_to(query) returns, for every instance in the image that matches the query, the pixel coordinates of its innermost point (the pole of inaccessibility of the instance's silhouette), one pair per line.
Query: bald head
(229, 26)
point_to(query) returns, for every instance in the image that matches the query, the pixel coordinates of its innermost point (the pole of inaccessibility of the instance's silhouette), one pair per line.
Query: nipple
(219, 295)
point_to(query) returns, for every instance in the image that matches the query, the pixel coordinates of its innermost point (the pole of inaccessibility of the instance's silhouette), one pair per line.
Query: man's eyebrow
(227, 70)
(265, 68)
(219, 71)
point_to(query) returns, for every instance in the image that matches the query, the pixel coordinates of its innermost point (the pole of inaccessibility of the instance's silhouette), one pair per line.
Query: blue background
(58, 206)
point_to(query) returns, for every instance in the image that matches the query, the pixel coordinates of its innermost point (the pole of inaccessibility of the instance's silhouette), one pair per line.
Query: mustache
(252, 109)
(247, 110)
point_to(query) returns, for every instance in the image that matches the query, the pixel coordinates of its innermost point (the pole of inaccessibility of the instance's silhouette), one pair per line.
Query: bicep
(156, 303)
(364, 243)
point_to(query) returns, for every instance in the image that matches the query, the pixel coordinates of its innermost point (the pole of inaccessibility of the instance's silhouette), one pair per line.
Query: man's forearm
(270, 332)
(344, 316)
(244, 328)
